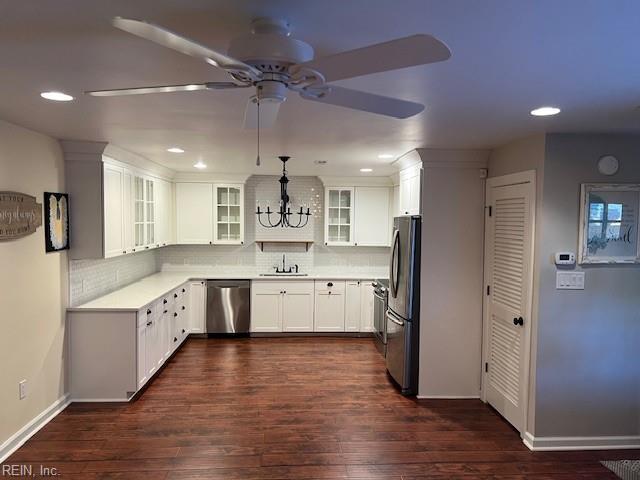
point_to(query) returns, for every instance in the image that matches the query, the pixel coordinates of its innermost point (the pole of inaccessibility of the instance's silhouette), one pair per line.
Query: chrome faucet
(284, 266)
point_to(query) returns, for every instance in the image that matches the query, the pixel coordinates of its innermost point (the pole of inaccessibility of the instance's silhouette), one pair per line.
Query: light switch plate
(22, 387)
(570, 280)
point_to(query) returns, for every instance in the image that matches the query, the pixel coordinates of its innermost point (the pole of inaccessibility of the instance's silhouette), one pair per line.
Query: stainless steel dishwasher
(228, 307)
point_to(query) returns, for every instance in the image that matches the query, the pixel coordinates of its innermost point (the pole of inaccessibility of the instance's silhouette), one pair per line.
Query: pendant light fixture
(284, 211)
(258, 129)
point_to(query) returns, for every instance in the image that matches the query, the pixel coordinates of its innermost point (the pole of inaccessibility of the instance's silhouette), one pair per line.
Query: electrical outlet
(23, 389)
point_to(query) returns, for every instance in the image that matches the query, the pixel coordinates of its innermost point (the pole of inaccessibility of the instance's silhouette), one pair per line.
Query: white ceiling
(509, 56)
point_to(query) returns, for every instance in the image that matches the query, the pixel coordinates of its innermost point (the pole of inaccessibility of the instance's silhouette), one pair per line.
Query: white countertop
(137, 295)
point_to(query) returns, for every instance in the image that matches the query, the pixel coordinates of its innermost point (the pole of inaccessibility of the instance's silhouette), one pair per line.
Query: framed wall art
(609, 219)
(20, 215)
(56, 221)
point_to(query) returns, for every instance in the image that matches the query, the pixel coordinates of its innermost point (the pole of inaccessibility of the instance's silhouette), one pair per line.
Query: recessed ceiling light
(545, 111)
(200, 165)
(366, 170)
(175, 150)
(385, 155)
(56, 96)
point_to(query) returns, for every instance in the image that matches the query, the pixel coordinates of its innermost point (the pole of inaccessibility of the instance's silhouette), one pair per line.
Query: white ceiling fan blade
(164, 89)
(169, 39)
(268, 114)
(381, 57)
(366, 102)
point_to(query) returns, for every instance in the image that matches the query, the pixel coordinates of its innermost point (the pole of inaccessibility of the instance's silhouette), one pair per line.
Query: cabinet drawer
(336, 287)
(146, 314)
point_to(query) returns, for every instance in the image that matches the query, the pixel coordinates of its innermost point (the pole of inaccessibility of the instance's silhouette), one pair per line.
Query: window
(604, 220)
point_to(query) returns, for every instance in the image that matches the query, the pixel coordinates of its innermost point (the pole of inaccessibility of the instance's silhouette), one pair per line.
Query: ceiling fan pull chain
(258, 113)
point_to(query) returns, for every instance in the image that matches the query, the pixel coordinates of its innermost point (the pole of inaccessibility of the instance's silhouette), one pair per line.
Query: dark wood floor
(296, 408)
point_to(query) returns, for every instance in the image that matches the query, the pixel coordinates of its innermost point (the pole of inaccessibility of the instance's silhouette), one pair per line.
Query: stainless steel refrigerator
(403, 312)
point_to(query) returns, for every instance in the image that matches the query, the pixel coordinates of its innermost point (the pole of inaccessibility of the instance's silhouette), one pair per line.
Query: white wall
(33, 287)
(451, 273)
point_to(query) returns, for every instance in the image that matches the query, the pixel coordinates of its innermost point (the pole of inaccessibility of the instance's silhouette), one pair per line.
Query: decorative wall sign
(20, 215)
(56, 221)
(609, 219)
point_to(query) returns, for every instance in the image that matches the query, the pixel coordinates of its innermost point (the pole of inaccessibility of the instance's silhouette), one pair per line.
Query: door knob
(518, 321)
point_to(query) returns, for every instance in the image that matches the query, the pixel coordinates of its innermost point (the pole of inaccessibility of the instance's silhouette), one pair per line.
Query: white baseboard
(30, 429)
(580, 443)
(447, 397)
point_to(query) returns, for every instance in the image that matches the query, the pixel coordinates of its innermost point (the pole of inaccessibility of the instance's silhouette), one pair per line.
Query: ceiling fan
(271, 61)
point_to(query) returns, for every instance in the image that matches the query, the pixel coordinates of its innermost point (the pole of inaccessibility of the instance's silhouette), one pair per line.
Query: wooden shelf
(307, 243)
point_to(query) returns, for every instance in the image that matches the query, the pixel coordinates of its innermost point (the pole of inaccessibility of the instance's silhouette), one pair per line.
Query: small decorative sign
(609, 219)
(20, 215)
(56, 221)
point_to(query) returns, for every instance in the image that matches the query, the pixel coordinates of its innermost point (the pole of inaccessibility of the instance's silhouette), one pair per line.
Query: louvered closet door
(509, 244)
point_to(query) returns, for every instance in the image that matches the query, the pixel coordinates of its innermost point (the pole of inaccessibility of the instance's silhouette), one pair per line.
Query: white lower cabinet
(329, 308)
(297, 306)
(197, 307)
(113, 354)
(308, 306)
(281, 306)
(266, 307)
(366, 306)
(352, 306)
(141, 343)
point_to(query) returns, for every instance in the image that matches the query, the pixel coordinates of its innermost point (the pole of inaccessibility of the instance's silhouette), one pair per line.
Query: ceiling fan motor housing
(270, 48)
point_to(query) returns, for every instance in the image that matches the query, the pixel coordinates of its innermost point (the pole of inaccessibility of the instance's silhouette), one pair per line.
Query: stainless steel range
(380, 298)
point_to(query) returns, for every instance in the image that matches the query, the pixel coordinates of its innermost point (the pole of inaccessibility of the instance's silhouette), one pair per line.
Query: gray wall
(588, 351)
(451, 273)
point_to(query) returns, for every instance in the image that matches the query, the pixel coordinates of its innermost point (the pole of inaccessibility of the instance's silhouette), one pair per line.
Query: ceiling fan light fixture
(175, 150)
(545, 111)
(56, 96)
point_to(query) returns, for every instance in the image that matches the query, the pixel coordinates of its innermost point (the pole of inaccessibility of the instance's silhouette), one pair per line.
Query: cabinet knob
(183, 330)
(183, 290)
(175, 295)
(148, 312)
(183, 307)
(175, 339)
(165, 311)
(329, 292)
(330, 284)
(124, 251)
(149, 323)
(164, 301)
(146, 247)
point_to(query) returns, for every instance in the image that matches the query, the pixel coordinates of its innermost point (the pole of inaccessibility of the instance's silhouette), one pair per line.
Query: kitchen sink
(284, 274)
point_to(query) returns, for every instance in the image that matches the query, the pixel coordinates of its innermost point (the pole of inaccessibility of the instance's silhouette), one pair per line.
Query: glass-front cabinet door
(338, 225)
(228, 211)
(138, 213)
(150, 213)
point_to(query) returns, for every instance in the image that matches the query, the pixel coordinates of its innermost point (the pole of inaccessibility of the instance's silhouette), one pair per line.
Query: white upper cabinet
(194, 213)
(372, 216)
(210, 213)
(114, 209)
(163, 212)
(338, 224)
(127, 204)
(228, 224)
(410, 191)
(358, 216)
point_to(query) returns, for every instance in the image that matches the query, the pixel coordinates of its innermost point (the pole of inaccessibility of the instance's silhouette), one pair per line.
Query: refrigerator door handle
(394, 263)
